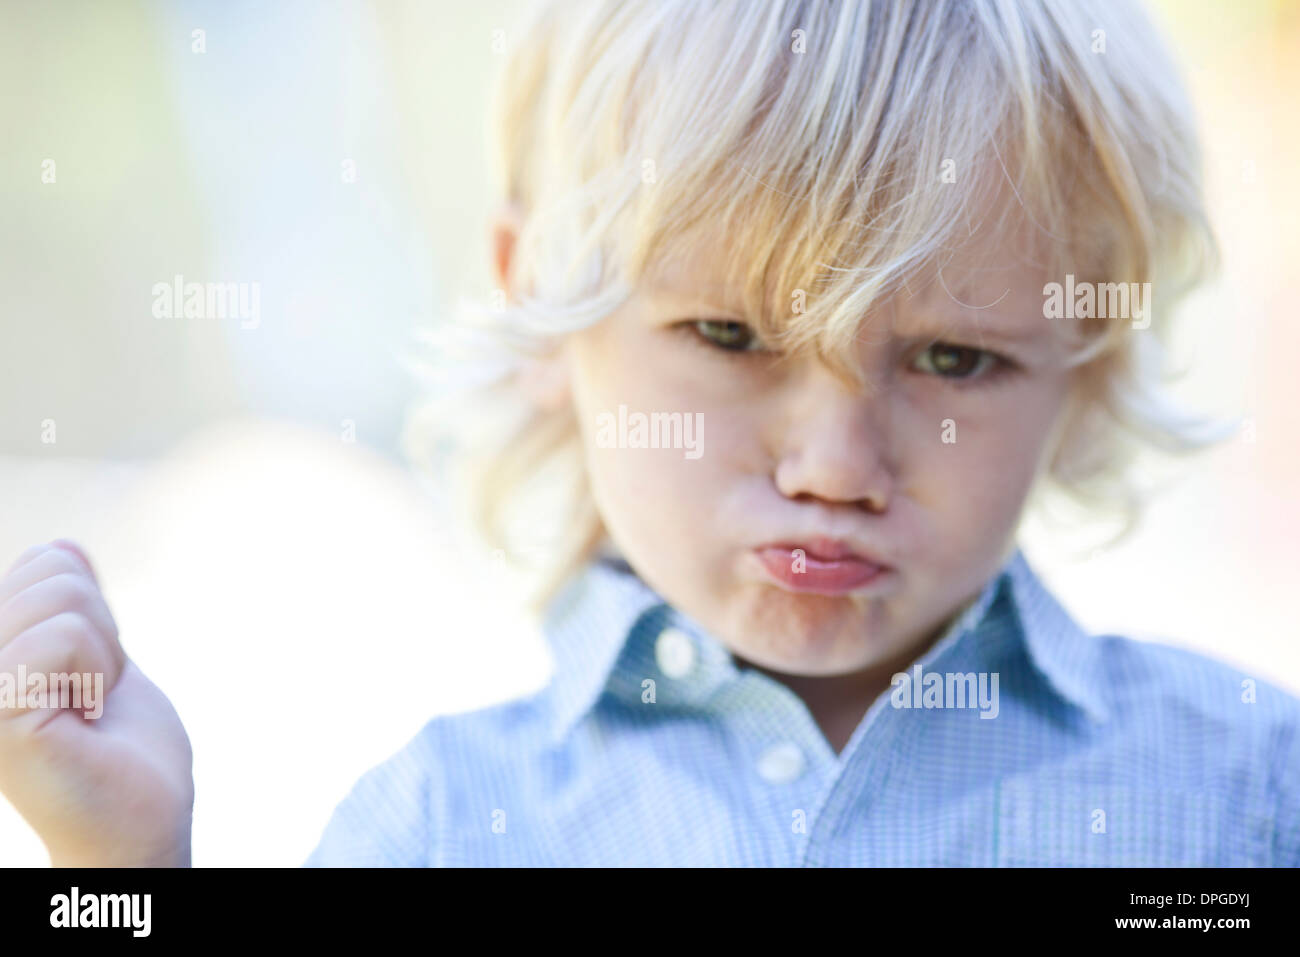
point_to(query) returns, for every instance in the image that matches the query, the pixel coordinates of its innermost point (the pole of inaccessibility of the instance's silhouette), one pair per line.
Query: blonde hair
(815, 136)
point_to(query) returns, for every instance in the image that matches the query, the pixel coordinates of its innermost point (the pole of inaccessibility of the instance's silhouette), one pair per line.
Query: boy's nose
(835, 452)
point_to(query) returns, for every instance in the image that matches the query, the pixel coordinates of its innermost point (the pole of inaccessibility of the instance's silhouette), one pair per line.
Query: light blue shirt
(650, 746)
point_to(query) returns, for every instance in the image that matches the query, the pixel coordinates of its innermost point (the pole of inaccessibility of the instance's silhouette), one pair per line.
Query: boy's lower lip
(820, 576)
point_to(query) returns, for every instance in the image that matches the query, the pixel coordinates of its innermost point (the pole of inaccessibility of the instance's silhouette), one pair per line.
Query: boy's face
(924, 473)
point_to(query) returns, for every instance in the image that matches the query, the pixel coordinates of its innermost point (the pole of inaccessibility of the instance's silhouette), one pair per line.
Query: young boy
(807, 301)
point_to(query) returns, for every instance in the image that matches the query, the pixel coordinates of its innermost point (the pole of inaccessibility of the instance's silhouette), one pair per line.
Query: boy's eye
(954, 362)
(726, 334)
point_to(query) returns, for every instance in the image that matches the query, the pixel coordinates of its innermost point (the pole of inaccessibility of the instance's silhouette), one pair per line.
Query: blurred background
(302, 596)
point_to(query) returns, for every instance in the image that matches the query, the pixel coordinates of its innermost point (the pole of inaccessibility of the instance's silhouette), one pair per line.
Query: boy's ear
(503, 230)
(544, 380)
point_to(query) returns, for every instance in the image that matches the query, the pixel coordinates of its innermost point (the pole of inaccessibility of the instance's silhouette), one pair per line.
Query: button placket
(877, 747)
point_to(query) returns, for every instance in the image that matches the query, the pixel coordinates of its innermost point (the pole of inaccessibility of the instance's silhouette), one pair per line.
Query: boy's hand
(116, 790)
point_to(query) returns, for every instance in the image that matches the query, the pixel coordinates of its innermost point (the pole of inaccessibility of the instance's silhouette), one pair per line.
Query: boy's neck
(838, 703)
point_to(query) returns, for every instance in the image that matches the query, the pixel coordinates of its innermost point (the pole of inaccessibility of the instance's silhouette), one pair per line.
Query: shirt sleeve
(384, 820)
(1286, 837)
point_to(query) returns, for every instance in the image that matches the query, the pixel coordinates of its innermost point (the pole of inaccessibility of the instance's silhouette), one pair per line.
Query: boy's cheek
(1006, 436)
(654, 483)
(972, 489)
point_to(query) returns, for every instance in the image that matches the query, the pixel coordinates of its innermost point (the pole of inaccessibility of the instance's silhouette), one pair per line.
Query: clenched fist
(109, 790)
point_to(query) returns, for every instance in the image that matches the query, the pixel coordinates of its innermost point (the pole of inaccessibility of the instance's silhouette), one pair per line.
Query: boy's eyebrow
(671, 298)
(1000, 321)
(937, 321)
(971, 328)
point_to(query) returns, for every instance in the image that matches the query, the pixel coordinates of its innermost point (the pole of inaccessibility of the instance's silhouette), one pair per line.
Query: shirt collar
(587, 626)
(590, 622)
(1062, 652)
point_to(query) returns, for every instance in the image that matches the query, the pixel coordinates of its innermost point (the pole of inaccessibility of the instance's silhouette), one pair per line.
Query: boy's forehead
(995, 292)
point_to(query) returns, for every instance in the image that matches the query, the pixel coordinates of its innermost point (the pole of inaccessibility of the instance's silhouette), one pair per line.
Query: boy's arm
(105, 784)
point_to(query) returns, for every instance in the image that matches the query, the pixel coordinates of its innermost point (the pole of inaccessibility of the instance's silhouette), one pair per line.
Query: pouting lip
(825, 549)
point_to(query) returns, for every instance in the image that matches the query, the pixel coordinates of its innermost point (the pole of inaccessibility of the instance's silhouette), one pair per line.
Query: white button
(781, 763)
(675, 653)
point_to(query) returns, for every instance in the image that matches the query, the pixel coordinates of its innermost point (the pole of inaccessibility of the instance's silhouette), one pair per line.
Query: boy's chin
(827, 645)
(839, 664)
